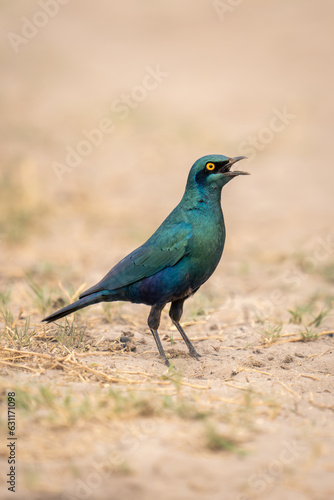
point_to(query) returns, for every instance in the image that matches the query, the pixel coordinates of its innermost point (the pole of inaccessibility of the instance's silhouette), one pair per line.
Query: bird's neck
(198, 199)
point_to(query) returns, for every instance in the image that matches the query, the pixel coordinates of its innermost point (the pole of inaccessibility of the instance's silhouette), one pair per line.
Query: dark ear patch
(201, 176)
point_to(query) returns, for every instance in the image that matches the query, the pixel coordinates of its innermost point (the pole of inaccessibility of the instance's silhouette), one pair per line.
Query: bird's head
(213, 171)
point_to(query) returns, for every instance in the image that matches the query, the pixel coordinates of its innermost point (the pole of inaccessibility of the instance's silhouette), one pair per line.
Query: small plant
(196, 312)
(112, 311)
(13, 332)
(297, 314)
(327, 272)
(22, 335)
(319, 318)
(40, 295)
(70, 335)
(23, 399)
(173, 376)
(304, 315)
(6, 315)
(272, 333)
(4, 298)
(199, 306)
(219, 442)
(308, 335)
(259, 319)
(46, 396)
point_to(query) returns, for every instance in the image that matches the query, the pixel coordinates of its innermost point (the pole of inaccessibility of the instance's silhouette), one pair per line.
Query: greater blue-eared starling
(177, 259)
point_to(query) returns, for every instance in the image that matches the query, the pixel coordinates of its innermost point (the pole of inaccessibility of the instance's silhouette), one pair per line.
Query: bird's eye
(210, 166)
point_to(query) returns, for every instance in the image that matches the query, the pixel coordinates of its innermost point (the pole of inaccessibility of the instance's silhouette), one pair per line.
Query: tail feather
(79, 304)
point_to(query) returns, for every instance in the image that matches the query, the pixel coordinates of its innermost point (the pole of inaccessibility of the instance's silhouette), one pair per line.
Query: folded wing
(163, 249)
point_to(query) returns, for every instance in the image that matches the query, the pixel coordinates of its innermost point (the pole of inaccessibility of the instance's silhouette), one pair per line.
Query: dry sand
(253, 419)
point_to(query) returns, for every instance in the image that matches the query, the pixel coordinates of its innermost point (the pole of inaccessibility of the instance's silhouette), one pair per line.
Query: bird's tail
(79, 304)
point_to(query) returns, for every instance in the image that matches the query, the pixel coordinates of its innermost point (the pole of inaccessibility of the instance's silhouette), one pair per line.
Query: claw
(195, 354)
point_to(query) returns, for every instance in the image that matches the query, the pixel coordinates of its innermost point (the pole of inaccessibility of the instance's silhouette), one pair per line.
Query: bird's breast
(206, 247)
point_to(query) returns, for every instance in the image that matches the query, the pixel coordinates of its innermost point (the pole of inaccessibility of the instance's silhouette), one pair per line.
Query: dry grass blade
(61, 362)
(75, 295)
(270, 375)
(297, 338)
(195, 386)
(27, 353)
(320, 405)
(101, 374)
(242, 388)
(305, 375)
(211, 337)
(23, 367)
(93, 353)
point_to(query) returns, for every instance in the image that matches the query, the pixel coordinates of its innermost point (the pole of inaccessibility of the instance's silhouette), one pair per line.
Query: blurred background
(104, 107)
(167, 84)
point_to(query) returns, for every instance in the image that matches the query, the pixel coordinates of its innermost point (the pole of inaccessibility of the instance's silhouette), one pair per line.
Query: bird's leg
(175, 313)
(153, 323)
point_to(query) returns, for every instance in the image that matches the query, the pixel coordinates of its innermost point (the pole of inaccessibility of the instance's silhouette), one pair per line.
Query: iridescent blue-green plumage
(178, 258)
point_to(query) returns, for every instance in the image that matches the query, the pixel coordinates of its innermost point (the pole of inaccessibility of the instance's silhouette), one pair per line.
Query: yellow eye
(210, 166)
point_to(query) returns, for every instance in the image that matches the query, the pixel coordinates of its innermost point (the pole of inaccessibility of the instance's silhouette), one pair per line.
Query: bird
(177, 259)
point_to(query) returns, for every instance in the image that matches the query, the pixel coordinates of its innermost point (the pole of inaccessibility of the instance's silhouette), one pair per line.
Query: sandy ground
(104, 108)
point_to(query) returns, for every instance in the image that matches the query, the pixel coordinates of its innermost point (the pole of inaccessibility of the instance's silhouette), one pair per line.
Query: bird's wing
(163, 249)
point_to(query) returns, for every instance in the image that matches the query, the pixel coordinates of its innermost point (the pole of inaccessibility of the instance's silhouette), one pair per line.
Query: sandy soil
(154, 87)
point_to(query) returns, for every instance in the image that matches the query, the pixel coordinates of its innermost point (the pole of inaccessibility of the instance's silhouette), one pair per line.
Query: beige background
(231, 68)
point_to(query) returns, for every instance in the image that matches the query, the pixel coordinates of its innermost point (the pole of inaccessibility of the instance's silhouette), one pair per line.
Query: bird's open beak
(231, 162)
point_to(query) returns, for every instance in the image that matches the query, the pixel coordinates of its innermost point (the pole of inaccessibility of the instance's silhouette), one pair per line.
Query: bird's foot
(167, 363)
(194, 354)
